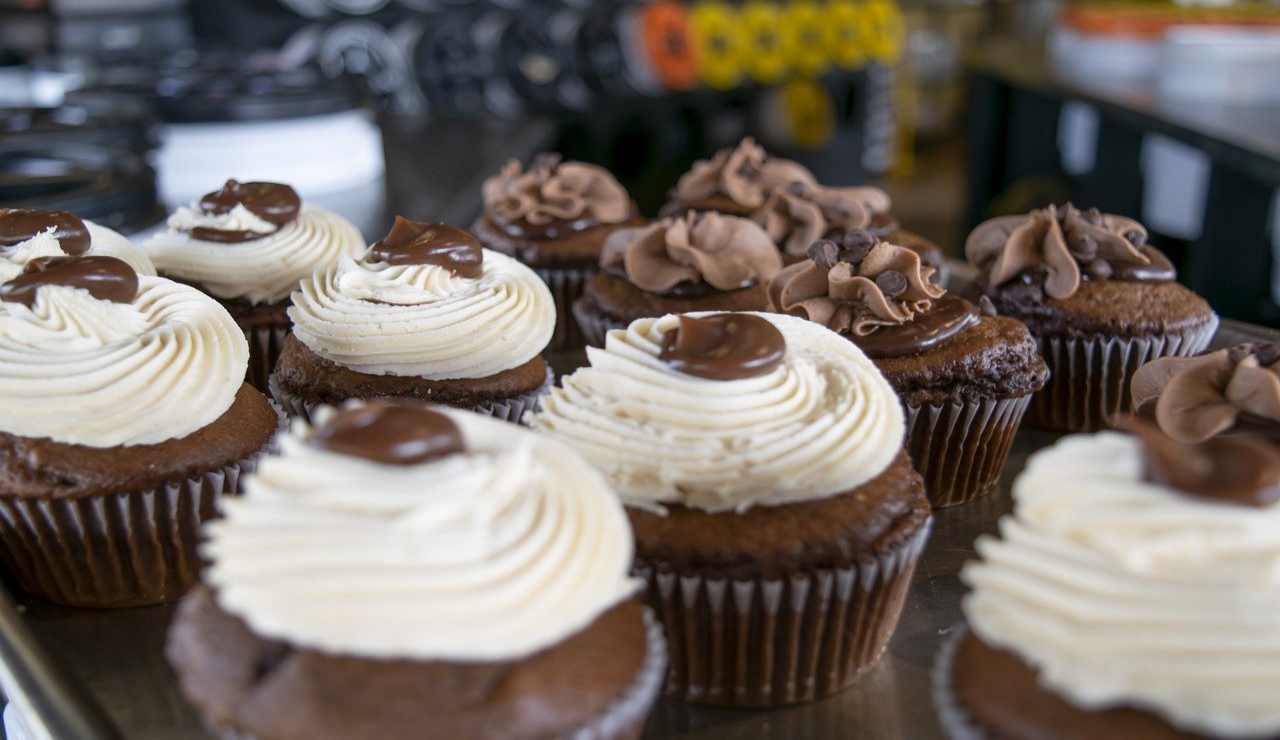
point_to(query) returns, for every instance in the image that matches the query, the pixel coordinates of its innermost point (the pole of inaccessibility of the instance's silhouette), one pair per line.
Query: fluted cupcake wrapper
(265, 344)
(960, 448)
(594, 328)
(772, 642)
(957, 723)
(624, 719)
(566, 286)
(118, 550)
(507, 409)
(1089, 375)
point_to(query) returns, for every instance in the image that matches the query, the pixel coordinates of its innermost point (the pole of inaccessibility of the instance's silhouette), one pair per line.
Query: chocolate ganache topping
(676, 254)
(18, 225)
(553, 198)
(800, 213)
(745, 174)
(272, 202)
(1054, 249)
(1240, 469)
(106, 278)
(389, 433)
(1194, 399)
(442, 245)
(880, 294)
(727, 346)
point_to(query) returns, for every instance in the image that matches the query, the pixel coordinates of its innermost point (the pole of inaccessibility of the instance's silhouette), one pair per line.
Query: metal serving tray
(101, 675)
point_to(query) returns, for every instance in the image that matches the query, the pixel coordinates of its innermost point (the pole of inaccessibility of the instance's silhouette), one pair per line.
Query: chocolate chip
(1268, 353)
(857, 243)
(935, 277)
(892, 283)
(986, 306)
(1024, 294)
(547, 161)
(1237, 353)
(1084, 248)
(824, 253)
(1135, 237)
(748, 170)
(797, 187)
(1093, 216)
(1099, 269)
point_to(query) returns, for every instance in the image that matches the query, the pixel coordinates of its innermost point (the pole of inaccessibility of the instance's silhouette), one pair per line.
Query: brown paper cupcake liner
(507, 409)
(957, 723)
(119, 550)
(566, 287)
(766, 642)
(265, 344)
(960, 448)
(1089, 375)
(622, 720)
(594, 327)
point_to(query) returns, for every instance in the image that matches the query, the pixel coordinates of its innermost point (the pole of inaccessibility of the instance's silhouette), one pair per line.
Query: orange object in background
(669, 44)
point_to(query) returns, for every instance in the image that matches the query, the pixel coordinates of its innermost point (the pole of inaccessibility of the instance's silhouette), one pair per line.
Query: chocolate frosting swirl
(728, 346)
(745, 174)
(725, 252)
(1066, 246)
(1239, 469)
(272, 202)
(1194, 399)
(18, 225)
(553, 198)
(389, 433)
(801, 213)
(442, 245)
(106, 278)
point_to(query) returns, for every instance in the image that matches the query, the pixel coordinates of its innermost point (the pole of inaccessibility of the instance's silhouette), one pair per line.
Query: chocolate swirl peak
(269, 203)
(1062, 246)
(106, 278)
(797, 215)
(724, 252)
(18, 225)
(727, 346)
(1194, 399)
(416, 243)
(554, 198)
(389, 433)
(743, 174)
(1240, 469)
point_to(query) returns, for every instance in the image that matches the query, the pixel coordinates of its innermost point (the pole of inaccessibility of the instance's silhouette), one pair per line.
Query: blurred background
(962, 109)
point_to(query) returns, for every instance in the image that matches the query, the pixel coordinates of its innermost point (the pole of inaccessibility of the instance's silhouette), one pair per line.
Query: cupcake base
(566, 286)
(960, 448)
(265, 344)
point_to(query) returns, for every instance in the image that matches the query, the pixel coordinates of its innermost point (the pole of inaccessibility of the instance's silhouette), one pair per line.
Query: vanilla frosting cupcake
(425, 314)
(765, 450)
(27, 234)
(126, 419)
(402, 550)
(1134, 592)
(248, 245)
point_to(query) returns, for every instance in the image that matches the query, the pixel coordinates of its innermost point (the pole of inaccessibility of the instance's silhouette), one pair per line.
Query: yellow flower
(845, 19)
(721, 46)
(771, 41)
(814, 37)
(885, 30)
(809, 113)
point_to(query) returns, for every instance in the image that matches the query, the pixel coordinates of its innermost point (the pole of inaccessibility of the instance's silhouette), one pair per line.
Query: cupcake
(697, 262)
(407, 571)
(126, 420)
(1100, 301)
(248, 245)
(1134, 593)
(1193, 399)
(555, 218)
(777, 517)
(425, 314)
(965, 377)
(26, 235)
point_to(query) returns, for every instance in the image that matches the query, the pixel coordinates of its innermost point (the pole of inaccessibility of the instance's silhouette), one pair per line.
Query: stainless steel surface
(118, 655)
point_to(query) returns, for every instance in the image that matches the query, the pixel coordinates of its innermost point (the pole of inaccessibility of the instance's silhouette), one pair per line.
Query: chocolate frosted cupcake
(424, 314)
(26, 235)
(699, 262)
(1132, 594)
(126, 419)
(1193, 399)
(248, 245)
(402, 571)
(965, 379)
(777, 517)
(555, 218)
(1098, 299)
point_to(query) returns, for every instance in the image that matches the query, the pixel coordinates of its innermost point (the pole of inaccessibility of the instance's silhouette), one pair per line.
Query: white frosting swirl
(424, 321)
(823, 422)
(1123, 592)
(490, 554)
(103, 242)
(85, 371)
(262, 270)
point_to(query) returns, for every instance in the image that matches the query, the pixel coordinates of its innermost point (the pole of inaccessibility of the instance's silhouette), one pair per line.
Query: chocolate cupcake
(555, 218)
(777, 517)
(964, 378)
(698, 262)
(425, 314)
(1100, 301)
(408, 571)
(126, 420)
(1132, 594)
(248, 245)
(26, 235)
(1193, 399)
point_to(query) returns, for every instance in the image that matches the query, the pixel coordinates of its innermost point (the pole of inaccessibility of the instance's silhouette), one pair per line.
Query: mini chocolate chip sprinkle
(1084, 248)
(797, 187)
(1237, 353)
(1093, 216)
(1099, 269)
(986, 306)
(748, 170)
(1135, 237)
(824, 253)
(892, 283)
(857, 244)
(1267, 353)
(1025, 293)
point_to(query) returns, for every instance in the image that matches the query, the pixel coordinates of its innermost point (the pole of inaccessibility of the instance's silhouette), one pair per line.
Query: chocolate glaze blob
(106, 278)
(18, 225)
(415, 243)
(389, 433)
(1237, 469)
(270, 201)
(728, 346)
